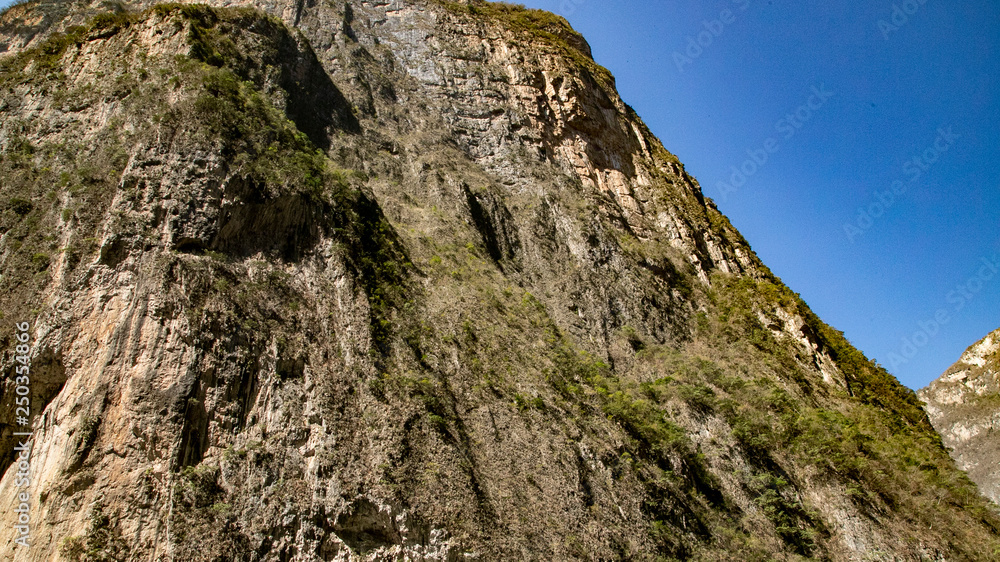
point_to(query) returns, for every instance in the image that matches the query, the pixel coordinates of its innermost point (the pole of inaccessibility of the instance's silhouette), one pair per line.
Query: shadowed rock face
(408, 280)
(964, 406)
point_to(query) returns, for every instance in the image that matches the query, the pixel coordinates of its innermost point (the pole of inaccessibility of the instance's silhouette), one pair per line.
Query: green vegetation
(88, 432)
(261, 141)
(523, 403)
(14, 4)
(112, 22)
(538, 26)
(877, 443)
(706, 414)
(663, 261)
(198, 486)
(760, 387)
(221, 108)
(203, 521)
(21, 207)
(32, 211)
(540, 23)
(866, 380)
(102, 543)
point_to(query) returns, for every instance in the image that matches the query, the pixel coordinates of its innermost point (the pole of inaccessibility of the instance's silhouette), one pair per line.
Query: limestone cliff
(407, 280)
(964, 406)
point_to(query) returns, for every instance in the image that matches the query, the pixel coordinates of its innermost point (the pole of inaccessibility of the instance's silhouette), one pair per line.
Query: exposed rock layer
(408, 280)
(964, 406)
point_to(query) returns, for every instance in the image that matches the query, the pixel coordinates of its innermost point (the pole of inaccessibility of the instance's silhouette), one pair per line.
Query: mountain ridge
(370, 282)
(962, 404)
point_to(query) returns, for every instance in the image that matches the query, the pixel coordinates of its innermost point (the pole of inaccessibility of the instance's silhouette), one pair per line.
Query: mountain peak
(964, 406)
(409, 280)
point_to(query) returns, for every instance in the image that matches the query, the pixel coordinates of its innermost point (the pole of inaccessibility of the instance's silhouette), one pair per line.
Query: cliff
(964, 406)
(409, 281)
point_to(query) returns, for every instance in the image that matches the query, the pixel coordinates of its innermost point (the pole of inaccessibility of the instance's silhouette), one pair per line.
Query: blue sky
(879, 198)
(911, 280)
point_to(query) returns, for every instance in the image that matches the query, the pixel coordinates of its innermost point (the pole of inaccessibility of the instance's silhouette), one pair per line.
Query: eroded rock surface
(409, 281)
(964, 406)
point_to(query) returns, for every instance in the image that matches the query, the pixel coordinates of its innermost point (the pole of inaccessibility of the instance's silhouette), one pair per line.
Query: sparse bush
(21, 207)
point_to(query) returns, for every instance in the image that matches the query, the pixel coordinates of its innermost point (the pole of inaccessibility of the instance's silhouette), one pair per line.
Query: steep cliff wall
(408, 280)
(964, 406)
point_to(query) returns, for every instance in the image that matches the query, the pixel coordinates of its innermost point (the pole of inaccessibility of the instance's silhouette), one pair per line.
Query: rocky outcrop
(964, 406)
(408, 280)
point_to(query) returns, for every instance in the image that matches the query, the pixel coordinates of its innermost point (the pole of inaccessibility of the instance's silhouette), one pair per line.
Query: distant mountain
(964, 406)
(407, 280)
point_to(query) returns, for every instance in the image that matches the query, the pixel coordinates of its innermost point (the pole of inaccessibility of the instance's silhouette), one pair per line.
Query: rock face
(964, 406)
(409, 281)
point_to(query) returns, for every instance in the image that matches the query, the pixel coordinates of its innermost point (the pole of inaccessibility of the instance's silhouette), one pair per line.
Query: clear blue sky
(894, 88)
(931, 66)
